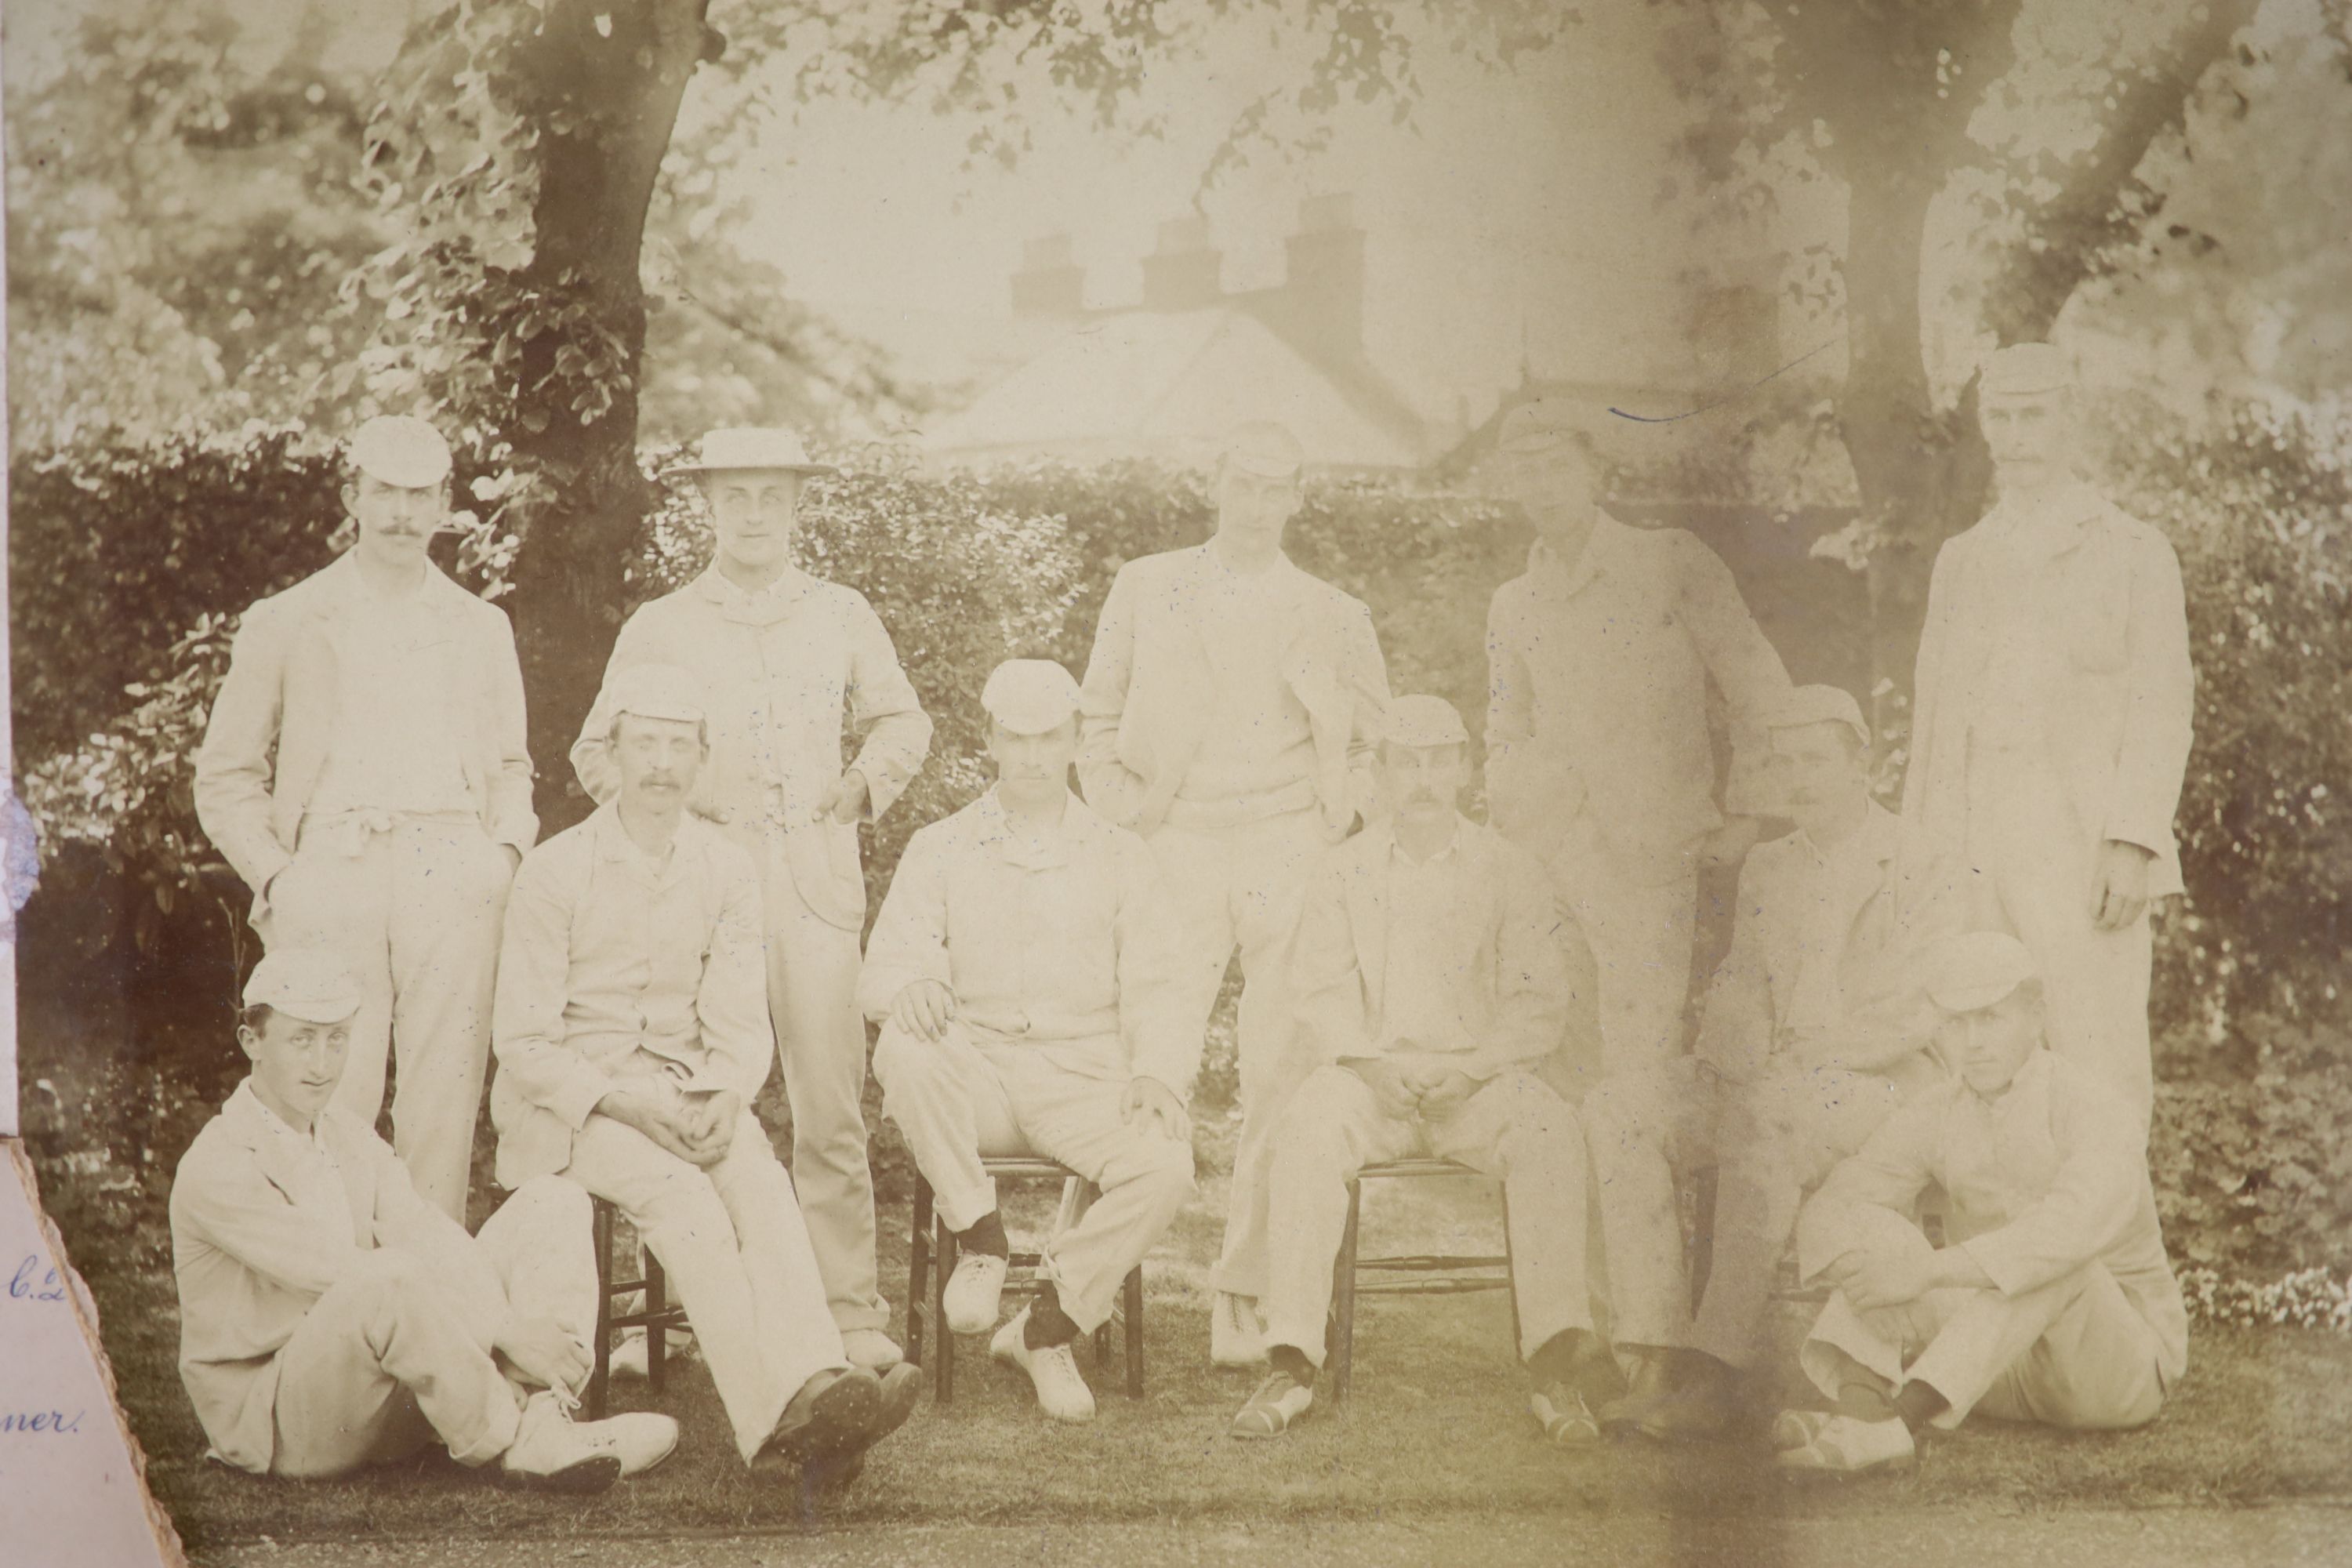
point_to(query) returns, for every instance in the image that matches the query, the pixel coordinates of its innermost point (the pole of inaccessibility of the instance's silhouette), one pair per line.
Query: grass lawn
(1437, 1426)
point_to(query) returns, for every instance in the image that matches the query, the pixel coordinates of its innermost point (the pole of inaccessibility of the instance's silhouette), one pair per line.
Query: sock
(986, 1234)
(1291, 1361)
(1918, 1404)
(1048, 1325)
(1865, 1401)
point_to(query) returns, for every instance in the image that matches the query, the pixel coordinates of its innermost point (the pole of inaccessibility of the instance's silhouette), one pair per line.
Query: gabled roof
(1169, 385)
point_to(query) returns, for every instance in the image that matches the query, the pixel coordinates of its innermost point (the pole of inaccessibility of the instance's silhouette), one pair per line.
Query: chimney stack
(1185, 272)
(1324, 285)
(1049, 283)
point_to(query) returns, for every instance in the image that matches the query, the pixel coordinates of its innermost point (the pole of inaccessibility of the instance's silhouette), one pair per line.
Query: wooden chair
(656, 1315)
(931, 1260)
(1424, 1274)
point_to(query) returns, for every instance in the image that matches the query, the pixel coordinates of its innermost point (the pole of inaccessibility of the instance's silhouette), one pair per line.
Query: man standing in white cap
(1231, 703)
(1598, 755)
(1025, 976)
(784, 659)
(1814, 1028)
(366, 771)
(2054, 699)
(2052, 1299)
(1429, 982)
(331, 1319)
(632, 1034)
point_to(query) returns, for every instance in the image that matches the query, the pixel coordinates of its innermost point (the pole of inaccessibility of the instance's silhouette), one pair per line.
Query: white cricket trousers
(958, 1099)
(1514, 1127)
(385, 1364)
(414, 910)
(731, 1240)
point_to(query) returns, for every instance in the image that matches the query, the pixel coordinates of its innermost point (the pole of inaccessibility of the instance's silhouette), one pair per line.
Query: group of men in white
(1924, 1060)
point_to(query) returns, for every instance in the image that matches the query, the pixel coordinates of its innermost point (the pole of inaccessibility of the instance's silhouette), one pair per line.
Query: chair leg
(657, 1326)
(1510, 1270)
(919, 1257)
(1134, 1293)
(943, 1264)
(1341, 1351)
(600, 1374)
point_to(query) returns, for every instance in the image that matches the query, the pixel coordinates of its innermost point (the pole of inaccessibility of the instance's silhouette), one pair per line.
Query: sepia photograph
(1295, 782)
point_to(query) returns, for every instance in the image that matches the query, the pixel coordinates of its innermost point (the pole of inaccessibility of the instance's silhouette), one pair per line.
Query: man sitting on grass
(331, 1319)
(632, 1034)
(1429, 980)
(1027, 978)
(2053, 1301)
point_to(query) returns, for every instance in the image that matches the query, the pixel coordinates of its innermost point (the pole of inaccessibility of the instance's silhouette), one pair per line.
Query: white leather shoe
(639, 1440)
(871, 1349)
(551, 1453)
(1847, 1446)
(974, 1292)
(628, 1358)
(1236, 1338)
(1062, 1391)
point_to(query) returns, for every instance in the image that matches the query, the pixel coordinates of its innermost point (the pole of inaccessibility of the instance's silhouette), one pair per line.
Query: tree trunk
(606, 79)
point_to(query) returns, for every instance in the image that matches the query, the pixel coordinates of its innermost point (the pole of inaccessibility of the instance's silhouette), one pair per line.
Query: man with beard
(2055, 697)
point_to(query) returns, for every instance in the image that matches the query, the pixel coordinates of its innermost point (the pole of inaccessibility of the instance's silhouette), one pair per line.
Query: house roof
(1169, 384)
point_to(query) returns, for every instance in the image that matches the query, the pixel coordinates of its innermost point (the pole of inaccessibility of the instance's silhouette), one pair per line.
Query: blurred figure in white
(1814, 1028)
(1429, 981)
(2054, 703)
(1230, 707)
(2052, 1299)
(1598, 756)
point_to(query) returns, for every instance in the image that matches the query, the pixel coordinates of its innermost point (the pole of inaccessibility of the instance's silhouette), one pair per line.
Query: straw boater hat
(760, 447)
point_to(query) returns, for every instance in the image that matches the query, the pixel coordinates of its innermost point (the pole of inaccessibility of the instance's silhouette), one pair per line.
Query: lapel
(1880, 841)
(254, 1128)
(1367, 912)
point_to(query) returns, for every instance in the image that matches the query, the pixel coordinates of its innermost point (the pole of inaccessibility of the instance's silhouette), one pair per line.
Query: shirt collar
(756, 604)
(2029, 1080)
(1876, 838)
(271, 1129)
(1545, 565)
(1016, 849)
(614, 845)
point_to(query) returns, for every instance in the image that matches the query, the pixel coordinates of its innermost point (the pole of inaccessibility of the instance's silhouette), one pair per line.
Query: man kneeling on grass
(331, 1319)
(632, 1034)
(1025, 974)
(2053, 1301)
(1430, 980)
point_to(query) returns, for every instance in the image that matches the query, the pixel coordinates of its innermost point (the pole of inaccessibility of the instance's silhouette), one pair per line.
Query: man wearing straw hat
(786, 661)
(366, 771)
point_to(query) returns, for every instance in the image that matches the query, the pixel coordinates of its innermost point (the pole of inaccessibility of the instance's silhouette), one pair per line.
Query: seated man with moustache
(632, 1034)
(1430, 980)
(331, 1318)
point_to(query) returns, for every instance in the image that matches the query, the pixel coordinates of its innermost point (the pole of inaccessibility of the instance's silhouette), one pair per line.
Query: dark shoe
(1697, 1412)
(833, 1412)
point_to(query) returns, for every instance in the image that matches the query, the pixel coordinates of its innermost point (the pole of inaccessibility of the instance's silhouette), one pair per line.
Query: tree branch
(2078, 235)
